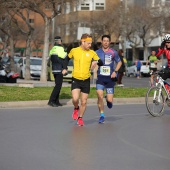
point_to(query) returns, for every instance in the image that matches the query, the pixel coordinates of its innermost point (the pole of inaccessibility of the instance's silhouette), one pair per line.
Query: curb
(68, 102)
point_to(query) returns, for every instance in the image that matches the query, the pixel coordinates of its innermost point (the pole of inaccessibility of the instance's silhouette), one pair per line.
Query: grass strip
(8, 93)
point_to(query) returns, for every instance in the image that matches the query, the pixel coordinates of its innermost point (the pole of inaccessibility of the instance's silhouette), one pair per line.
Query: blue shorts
(105, 84)
(138, 68)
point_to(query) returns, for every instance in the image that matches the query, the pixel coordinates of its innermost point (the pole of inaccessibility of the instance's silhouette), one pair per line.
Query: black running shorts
(153, 69)
(83, 85)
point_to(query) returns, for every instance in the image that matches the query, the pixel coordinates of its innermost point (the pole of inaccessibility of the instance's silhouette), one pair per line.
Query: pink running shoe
(75, 113)
(80, 121)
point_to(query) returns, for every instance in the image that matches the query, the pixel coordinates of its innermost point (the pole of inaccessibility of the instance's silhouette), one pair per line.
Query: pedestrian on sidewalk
(57, 56)
(106, 74)
(138, 67)
(121, 70)
(84, 60)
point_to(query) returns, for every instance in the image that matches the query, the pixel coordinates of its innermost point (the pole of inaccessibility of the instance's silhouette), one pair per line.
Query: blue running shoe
(101, 119)
(109, 104)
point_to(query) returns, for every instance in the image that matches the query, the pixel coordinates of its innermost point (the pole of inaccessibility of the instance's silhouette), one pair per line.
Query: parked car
(132, 70)
(6, 63)
(145, 71)
(7, 60)
(16, 59)
(66, 78)
(35, 67)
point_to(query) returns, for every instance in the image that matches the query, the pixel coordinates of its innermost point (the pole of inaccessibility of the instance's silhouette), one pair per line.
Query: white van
(145, 71)
(132, 70)
(35, 67)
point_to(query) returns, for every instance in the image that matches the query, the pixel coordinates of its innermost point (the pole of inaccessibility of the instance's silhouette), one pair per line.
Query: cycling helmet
(166, 37)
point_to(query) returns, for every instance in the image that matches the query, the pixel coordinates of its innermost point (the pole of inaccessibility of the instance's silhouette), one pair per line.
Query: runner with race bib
(106, 74)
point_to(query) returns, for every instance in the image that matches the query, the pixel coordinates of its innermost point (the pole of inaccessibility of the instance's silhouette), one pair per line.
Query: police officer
(57, 56)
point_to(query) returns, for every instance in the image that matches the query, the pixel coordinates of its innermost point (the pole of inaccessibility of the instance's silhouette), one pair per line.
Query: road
(134, 82)
(47, 138)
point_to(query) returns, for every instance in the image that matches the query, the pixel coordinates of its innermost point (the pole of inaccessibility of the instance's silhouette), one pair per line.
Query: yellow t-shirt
(82, 61)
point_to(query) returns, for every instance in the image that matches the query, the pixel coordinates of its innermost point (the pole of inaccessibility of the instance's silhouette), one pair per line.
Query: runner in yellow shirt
(84, 60)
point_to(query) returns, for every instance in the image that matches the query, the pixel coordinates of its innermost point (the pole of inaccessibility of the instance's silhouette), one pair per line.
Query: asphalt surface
(46, 138)
(35, 136)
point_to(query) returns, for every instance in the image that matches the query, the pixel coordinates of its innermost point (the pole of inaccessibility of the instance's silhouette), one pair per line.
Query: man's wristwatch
(115, 71)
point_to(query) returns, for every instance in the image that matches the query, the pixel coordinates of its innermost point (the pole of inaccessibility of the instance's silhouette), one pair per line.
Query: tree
(143, 30)
(26, 29)
(8, 28)
(147, 29)
(39, 7)
(109, 22)
(37, 39)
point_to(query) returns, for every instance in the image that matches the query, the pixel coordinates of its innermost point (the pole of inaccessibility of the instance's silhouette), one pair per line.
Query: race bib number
(153, 65)
(105, 70)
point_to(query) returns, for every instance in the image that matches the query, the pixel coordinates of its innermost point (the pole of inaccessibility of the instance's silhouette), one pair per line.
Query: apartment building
(155, 7)
(77, 18)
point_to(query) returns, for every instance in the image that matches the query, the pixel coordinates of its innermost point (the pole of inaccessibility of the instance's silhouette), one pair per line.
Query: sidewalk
(36, 83)
(29, 83)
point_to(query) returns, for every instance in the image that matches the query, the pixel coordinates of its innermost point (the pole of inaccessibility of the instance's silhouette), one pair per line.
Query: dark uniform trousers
(56, 91)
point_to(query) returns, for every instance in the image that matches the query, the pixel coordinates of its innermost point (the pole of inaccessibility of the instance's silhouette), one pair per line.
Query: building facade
(156, 7)
(78, 18)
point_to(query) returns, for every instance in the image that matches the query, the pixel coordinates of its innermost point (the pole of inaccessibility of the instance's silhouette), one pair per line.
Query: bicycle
(158, 96)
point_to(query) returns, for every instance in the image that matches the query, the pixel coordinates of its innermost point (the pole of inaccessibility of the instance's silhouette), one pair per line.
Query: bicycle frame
(160, 83)
(156, 98)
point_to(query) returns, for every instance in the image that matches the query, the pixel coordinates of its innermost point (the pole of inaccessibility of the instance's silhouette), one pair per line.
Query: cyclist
(165, 49)
(152, 60)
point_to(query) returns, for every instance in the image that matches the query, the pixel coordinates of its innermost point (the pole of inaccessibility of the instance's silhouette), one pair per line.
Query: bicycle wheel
(155, 103)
